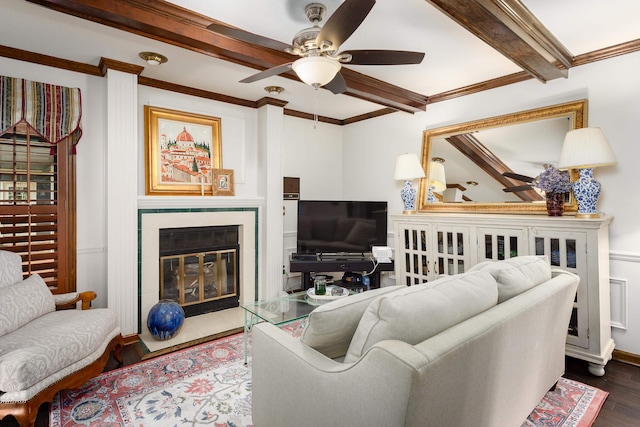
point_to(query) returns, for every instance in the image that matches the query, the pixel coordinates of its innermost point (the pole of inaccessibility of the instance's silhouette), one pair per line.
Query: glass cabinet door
(452, 250)
(568, 252)
(414, 264)
(496, 244)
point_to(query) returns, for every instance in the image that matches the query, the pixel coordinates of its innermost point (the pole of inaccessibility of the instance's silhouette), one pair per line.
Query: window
(37, 205)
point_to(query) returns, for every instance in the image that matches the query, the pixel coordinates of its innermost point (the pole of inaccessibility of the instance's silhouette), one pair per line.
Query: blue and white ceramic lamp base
(431, 196)
(408, 195)
(586, 190)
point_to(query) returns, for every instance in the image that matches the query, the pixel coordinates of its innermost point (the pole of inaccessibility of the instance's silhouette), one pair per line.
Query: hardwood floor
(621, 381)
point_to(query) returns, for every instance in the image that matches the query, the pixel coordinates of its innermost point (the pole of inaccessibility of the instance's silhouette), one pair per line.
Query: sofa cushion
(50, 343)
(330, 327)
(518, 274)
(24, 301)
(10, 268)
(418, 312)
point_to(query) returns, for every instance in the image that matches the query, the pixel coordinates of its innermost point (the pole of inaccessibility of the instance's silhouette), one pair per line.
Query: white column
(122, 172)
(270, 141)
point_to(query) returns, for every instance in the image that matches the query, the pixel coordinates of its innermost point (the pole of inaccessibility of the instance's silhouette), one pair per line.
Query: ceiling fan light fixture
(153, 58)
(316, 71)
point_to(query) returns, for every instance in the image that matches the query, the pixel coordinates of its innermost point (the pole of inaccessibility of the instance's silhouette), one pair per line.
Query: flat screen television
(329, 226)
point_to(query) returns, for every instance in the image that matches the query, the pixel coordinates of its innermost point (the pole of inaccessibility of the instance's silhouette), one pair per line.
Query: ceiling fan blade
(246, 36)
(344, 21)
(337, 85)
(517, 188)
(383, 57)
(518, 177)
(268, 73)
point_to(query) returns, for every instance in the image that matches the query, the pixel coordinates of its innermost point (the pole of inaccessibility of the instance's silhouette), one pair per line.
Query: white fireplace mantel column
(121, 193)
(270, 142)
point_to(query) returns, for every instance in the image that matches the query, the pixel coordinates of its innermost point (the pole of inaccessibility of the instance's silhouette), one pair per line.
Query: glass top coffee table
(277, 311)
(286, 308)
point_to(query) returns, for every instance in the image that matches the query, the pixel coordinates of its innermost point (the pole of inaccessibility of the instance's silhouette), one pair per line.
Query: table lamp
(408, 168)
(436, 181)
(585, 149)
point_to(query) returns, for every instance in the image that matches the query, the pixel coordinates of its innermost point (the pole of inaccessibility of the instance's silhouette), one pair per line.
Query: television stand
(325, 265)
(344, 256)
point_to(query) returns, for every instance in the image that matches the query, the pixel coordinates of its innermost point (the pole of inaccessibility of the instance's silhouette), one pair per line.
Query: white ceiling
(454, 57)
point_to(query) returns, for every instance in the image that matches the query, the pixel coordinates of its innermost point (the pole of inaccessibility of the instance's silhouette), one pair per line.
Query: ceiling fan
(320, 62)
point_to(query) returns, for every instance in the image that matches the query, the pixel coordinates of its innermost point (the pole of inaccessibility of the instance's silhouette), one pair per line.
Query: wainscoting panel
(618, 303)
(625, 296)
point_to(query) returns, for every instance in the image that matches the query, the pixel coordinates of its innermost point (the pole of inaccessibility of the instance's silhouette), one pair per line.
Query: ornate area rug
(209, 385)
(571, 404)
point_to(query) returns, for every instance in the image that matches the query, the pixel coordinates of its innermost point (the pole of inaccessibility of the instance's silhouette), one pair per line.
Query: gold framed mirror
(476, 154)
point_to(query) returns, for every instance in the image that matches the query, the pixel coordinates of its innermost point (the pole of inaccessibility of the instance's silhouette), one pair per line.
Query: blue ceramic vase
(408, 195)
(165, 320)
(586, 190)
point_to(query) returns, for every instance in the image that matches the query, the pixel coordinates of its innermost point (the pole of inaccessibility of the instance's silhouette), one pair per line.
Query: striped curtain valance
(52, 111)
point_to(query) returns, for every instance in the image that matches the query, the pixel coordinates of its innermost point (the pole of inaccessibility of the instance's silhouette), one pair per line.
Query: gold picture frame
(223, 182)
(181, 151)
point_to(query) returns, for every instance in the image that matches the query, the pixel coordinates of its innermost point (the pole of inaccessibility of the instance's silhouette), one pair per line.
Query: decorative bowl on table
(333, 292)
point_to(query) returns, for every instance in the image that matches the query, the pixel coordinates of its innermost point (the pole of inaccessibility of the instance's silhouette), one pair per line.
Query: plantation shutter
(39, 128)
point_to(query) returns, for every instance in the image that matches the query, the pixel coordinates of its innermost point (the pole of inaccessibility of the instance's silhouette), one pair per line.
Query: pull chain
(315, 108)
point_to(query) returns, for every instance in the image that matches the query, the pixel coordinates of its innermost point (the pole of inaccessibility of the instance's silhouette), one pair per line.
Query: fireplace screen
(198, 278)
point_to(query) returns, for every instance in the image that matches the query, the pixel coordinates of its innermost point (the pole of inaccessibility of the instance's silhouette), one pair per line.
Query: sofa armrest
(558, 271)
(294, 384)
(69, 300)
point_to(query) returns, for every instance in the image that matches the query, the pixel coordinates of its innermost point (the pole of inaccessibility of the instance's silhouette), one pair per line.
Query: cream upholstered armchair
(46, 345)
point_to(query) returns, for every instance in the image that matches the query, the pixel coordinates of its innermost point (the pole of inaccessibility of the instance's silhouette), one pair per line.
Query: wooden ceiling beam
(174, 25)
(486, 160)
(511, 29)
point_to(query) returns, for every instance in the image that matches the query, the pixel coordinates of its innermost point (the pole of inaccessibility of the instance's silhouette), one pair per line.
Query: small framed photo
(223, 182)
(181, 150)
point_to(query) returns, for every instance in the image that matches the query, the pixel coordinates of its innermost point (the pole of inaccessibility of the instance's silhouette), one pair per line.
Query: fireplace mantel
(189, 202)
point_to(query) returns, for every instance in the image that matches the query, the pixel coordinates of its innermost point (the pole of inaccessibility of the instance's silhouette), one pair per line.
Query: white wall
(613, 90)
(313, 154)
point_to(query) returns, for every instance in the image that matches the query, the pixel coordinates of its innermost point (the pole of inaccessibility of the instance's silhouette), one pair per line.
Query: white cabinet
(428, 245)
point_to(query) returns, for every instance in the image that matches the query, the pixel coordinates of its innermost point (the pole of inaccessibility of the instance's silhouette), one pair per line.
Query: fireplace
(198, 268)
(156, 218)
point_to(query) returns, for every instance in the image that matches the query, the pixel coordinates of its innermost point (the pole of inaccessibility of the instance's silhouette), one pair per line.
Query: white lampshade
(408, 167)
(436, 177)
(585, 148)
(316, 71)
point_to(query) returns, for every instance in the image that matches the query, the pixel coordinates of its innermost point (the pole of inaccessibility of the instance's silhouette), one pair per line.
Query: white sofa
(44, 349)
(478, 349)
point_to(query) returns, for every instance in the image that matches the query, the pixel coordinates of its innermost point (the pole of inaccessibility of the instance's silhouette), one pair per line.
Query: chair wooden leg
(24, 413)
(116, 352)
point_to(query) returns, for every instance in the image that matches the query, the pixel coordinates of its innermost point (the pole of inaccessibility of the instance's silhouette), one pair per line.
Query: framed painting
(181, 151)
(223, 182)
